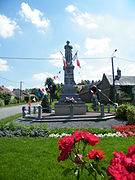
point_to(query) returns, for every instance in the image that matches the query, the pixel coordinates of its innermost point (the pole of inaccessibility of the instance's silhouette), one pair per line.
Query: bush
(122, 111)
(13, 101)
(126, 112)
(1, 102)
(45, 105)
(7, 98)
(131, 115)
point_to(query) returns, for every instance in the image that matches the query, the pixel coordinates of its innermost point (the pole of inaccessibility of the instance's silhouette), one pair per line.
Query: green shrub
(13, 101)
(131, 115)
(126, 112)
(1, 102)
(122, 111)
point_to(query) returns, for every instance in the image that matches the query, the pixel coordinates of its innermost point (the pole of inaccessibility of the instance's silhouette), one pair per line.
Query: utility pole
(21, 90)
(113, 90)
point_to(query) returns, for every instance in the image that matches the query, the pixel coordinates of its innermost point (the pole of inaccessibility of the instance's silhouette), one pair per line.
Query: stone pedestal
(64, 109)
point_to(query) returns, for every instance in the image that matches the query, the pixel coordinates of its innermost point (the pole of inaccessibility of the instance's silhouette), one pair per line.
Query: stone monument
(69, 90)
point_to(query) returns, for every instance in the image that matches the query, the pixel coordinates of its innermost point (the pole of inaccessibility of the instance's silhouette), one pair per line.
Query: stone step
(67, 119)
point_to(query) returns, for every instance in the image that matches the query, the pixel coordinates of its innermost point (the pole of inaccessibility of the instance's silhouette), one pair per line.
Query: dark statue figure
(68, 53)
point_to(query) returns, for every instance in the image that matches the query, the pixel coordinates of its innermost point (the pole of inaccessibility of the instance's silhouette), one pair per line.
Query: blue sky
(41, 28)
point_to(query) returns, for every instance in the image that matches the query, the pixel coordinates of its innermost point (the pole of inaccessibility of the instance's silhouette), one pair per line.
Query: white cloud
(70, 8)
(57, 61)
(11, 88)
(7, 26)
(42, 76)
(77, 46)
(83, 19)
(34, 16)
(96, 46)
(3, 65)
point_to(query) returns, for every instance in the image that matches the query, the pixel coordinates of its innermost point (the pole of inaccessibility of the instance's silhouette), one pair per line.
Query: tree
(50, 88)
(45, 105)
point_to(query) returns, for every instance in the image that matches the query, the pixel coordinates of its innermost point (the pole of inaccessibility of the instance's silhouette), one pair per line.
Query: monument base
(65, 109)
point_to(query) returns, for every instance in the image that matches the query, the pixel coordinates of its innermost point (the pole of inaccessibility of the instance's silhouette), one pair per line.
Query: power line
(125, 59)
(46, 58)
(9, 80)
(55, 59)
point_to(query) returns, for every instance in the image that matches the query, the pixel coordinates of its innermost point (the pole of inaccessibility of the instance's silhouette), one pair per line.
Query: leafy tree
(50, 88)
(45, 105)
(7, 98)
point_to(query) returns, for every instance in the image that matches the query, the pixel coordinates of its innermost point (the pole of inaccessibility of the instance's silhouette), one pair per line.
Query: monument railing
(36, 111)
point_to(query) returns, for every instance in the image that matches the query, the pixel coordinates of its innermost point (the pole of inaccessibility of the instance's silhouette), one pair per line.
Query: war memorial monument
(69, 96)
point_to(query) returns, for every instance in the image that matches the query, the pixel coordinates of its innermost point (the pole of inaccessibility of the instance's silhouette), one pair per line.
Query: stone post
(34, 110)
(23, 112)
(71, 111)
(102, 110)
(39, 112)
(29, 110)
(108, 108)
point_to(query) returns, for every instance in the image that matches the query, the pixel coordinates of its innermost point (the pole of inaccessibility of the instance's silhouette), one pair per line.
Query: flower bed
(128, 130)
(73, 148)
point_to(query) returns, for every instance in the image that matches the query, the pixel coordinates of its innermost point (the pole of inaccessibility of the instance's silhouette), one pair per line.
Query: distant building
(24, 96)
(4, 90)
(125, 89)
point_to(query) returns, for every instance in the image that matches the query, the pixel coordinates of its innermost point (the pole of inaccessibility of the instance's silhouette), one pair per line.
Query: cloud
(42, 76)
(7, 26)
(34, 16)
(70, 8)
(3, 65)
(77, 46)
(11, 88)
(57, 59)
(83, 19)
(96, 46)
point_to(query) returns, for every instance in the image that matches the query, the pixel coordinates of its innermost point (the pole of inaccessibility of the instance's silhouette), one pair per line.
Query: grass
(36, 158)
(90, 109)
(10, 119)
(53, 103)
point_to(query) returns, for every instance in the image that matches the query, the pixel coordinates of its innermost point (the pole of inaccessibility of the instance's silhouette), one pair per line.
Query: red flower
(93, 154)
(118, 172)
(63, 156)
(122, 167)
(78, 136)
(91, 138)
(66, 144)
(131, 150)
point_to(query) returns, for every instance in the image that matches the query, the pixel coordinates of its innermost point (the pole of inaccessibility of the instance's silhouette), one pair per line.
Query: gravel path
(86, 124)
(79, 124)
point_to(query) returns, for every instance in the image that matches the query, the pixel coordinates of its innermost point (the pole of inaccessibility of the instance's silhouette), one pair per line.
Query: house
(124, 89)
(24, 96)
(85, 93)
(5, 90)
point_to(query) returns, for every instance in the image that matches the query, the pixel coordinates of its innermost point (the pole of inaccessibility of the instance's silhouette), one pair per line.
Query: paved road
(9, 111)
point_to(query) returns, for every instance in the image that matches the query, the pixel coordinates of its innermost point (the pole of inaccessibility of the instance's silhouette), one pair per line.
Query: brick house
(4, 90)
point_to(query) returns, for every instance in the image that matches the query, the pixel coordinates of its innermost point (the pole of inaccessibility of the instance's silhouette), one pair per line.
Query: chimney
(118, 73)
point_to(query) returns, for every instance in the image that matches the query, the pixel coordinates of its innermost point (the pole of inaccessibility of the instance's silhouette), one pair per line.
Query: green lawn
(10, 119)
(36, 158)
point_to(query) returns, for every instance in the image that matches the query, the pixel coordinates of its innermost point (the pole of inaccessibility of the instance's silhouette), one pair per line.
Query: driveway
(9, 111)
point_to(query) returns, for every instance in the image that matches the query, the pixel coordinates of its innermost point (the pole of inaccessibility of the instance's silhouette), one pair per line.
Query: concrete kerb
(76, 118)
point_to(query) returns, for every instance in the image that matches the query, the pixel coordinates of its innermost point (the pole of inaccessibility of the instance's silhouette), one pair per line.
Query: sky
(40, 29)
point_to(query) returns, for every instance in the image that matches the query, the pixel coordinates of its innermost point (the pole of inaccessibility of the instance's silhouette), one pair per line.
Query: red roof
(6, 90)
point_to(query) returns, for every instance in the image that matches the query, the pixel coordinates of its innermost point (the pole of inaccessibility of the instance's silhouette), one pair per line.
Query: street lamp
(113, 90)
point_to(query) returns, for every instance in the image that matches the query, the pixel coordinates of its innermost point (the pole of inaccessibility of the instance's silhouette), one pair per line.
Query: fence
(36, 111)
